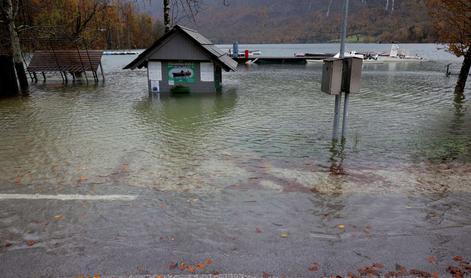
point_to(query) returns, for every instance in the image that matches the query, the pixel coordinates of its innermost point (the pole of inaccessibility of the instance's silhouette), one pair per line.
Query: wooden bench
(74, 62)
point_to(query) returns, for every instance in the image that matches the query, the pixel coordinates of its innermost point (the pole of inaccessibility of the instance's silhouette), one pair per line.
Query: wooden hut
(183, 61)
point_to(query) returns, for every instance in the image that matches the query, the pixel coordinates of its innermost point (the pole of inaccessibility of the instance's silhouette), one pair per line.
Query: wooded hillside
(301, 21)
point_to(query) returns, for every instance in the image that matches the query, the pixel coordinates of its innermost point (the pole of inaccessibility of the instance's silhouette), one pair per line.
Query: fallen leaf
(266, 275)
(173, 266)
(159, 276)
(401, 269)
(351, 275)
(457, 258)
(31, 242)
(257, 230)
(432, 259)
(18, 180)
(208, 261)
(284, 234)
(191, 269)
(96, 276)
(182, 266)
(456, 272)
(378, 265)
(82, 179)
(466, 266)
(435, 275)
(7, 243)
(314, 267)
(200, 266)
(59, 217)
(420, 273)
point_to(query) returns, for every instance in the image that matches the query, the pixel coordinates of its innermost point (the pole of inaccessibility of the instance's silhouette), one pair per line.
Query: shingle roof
(217, 54)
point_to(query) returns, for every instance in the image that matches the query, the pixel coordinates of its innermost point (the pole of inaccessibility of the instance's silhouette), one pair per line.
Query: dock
(293, 60)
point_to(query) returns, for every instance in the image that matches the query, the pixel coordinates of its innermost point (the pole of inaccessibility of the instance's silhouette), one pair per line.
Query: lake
(225, 174)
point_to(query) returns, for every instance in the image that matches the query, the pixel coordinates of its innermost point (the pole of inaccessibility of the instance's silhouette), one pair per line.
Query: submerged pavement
(325, 229)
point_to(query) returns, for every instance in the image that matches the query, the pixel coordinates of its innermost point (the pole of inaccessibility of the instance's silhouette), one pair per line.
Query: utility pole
(338, 98)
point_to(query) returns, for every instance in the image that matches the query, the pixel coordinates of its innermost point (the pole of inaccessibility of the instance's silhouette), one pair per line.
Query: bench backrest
(65, 60)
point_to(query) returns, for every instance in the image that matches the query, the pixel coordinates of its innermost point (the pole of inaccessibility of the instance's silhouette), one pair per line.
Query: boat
(252, 53)
(395, 55)
(121, 52)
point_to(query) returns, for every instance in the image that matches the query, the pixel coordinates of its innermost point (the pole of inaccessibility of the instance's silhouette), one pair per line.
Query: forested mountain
(283, 21)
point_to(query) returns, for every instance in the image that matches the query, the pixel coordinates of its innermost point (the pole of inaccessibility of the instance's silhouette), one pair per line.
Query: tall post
(343, 36)
(342, 51)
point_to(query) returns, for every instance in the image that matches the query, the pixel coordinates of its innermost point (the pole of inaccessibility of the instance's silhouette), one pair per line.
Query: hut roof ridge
(221, 57)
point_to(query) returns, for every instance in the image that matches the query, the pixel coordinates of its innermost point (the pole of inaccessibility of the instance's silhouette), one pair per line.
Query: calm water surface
(265, 139)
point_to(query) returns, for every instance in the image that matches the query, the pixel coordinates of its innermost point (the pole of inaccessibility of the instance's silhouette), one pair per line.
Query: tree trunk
(18, 59)
(8, 83)
(464, 72)
(167, 15)
(13, 48)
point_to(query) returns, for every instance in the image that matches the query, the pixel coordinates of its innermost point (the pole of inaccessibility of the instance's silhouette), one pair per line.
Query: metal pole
(345, 115)
(338, 99)
(343, 35)
(342, 55)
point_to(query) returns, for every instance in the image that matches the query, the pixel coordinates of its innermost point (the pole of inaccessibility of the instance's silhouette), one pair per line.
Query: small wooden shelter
(183, 61)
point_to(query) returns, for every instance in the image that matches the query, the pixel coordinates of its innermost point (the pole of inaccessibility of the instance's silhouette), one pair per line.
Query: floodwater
(248, 178)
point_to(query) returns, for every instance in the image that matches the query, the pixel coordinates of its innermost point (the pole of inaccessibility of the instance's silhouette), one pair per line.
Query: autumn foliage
(104, 24)
(452, 20)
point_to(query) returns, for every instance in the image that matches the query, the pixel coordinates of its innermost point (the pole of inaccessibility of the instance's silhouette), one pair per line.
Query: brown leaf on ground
(455, 271)
(314, 267)
(401, 269)
(258, 230)
(18, 180)
(191, 269)
(351, 275)
(200, 266)
(432, 259)
(435, 275)
(369, 271)
(173, 266)
(208, 261)
(216, 273)
(457, 258)
(7, 244)
(378, 265)
(420, 273)
(31, 242)
(159, 276)
(182, 266)
(466, 266)
(266, 275)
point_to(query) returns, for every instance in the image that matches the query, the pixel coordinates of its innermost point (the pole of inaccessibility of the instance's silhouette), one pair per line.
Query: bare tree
(176, 10)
